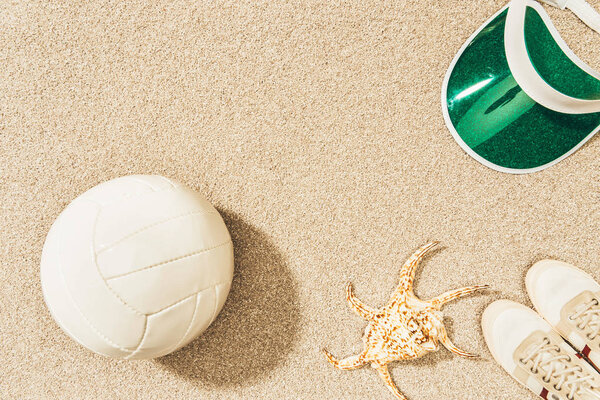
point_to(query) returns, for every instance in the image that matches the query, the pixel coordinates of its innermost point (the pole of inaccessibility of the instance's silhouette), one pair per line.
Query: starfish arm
(447, 297)
(451, 347)
(384, 373)
(407, 273)
(347, 363)
(358, 306)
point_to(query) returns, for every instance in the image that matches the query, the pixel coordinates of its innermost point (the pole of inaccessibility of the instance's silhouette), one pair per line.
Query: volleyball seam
(87, 321)
(189, 325)
(176, 303)
(152, 225)
(141, 342)
(162, 263)
(95, 260)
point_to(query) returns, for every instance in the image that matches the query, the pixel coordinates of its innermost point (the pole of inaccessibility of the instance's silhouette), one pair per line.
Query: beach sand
(315, 128)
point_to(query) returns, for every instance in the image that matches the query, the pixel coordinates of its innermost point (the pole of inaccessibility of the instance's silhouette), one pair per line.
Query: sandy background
(315, 128)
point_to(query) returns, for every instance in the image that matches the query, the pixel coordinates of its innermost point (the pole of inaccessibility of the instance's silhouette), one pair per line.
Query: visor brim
(492, 117)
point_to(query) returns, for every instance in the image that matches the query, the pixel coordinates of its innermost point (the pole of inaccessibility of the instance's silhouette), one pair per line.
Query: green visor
(516, 98)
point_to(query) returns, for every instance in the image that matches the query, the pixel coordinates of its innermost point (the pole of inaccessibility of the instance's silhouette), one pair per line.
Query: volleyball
(137, 267)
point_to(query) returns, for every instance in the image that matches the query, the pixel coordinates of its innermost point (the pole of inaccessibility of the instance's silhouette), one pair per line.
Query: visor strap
(585, 12)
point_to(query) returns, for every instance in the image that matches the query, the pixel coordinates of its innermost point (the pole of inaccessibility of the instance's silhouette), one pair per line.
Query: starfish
(406, 328)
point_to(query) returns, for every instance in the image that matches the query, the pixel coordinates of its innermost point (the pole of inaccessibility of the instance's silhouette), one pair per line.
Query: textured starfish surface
(406, 328)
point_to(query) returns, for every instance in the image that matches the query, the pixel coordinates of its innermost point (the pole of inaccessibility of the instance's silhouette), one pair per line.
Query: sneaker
(569, 299)
(529, 349)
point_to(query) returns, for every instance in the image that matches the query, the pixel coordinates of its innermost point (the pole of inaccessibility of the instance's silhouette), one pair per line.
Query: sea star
(406, 328)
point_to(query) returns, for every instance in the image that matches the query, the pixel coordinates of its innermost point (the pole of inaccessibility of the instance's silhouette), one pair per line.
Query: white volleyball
(137, 267)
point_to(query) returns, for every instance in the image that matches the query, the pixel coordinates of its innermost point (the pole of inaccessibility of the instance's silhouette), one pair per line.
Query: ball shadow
(258, 325)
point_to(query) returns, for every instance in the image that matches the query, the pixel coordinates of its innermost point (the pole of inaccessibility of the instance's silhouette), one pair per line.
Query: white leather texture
(552, 284)
(506, 325)
(137, 267)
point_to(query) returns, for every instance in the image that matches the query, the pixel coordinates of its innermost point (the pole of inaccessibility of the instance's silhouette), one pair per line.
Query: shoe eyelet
(547, 381)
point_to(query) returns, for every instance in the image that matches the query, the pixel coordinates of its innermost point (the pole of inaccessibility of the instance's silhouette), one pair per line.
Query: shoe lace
(549, 361)
(588, 315)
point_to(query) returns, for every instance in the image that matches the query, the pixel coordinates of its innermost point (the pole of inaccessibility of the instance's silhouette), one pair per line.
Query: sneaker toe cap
(506, 325)
(552, 284)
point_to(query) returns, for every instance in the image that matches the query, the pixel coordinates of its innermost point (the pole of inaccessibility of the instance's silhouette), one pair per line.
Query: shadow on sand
(259, 322)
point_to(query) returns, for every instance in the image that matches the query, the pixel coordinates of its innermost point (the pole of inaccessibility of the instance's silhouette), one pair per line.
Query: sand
(315, 127)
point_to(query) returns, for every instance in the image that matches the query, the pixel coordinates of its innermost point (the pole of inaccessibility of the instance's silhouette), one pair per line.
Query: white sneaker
(569, 299)
(529, 349)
